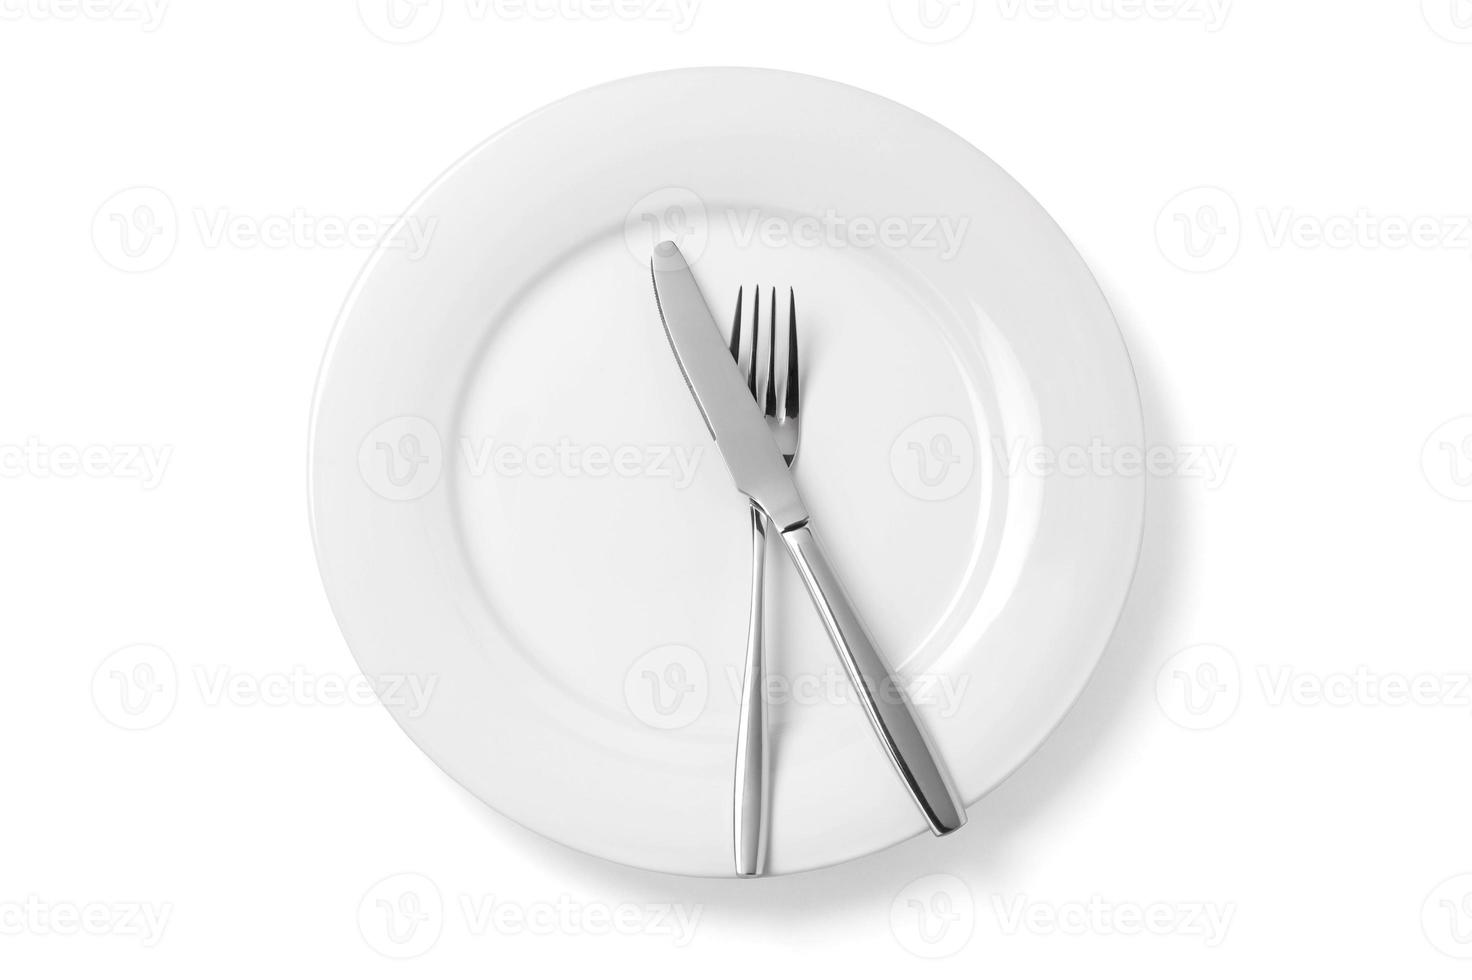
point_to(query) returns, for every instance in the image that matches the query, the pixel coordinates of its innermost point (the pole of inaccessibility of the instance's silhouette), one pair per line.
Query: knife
(759, 471)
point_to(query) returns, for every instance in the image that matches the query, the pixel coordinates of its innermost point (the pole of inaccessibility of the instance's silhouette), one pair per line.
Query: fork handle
(882, 694)
(750, 802)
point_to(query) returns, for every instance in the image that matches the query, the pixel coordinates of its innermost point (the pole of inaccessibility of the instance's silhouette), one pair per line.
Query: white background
(1293, 791)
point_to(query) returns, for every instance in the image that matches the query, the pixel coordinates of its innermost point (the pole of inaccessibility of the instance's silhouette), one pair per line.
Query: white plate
(500, 510)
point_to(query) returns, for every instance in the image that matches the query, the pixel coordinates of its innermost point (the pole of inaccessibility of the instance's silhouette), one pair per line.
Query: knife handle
(881, 693)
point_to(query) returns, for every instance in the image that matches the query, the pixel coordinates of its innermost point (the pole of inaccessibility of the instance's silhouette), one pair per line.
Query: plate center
(601, 525)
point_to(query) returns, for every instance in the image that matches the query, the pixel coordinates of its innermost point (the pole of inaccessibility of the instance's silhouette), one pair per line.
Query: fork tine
(736, 330)
(789, 410)
(770, 405)
(756, 331)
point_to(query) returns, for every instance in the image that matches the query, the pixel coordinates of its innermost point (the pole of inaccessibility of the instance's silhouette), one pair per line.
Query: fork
(750, 799)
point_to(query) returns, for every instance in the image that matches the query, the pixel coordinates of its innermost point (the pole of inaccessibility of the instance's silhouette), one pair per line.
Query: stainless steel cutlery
(759, 467)
(781, 413)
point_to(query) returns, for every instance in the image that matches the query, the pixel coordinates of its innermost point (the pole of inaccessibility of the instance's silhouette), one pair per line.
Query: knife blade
(759, 471)
(731, 414)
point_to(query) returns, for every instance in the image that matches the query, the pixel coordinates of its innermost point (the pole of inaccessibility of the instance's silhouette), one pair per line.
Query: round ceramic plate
(532, 545)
